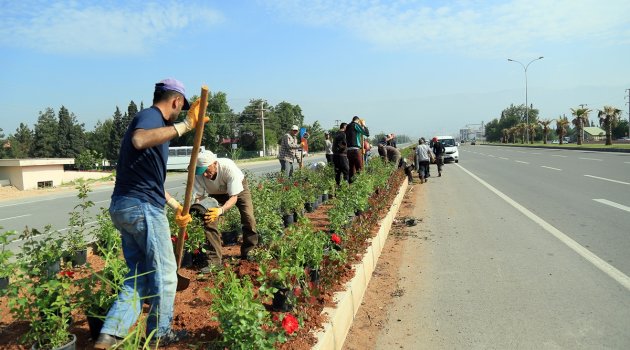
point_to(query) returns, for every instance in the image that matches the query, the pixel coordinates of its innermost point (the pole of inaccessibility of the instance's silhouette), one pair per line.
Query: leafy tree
(98, 139)
(608, 117)
(21, 142)
(621, 130)
(580, 120)
(116, 134)
(509, 118)
(87, 160)
(5, 146)
(316, 140)
(46, 135)
(132, 110)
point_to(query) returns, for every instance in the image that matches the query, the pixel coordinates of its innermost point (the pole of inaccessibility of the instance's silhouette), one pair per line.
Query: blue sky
(412, 67)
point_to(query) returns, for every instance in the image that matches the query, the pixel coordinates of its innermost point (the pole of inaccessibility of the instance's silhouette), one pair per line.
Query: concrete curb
(348, 301)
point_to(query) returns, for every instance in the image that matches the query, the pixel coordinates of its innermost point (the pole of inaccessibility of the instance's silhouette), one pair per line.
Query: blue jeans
(152, 273)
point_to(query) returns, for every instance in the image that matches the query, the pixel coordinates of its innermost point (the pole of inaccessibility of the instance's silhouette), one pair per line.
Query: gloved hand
(191, 119)
(212, 215)
(182, 220)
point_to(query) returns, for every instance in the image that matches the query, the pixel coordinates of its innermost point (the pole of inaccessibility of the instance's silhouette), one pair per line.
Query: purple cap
(174, 85)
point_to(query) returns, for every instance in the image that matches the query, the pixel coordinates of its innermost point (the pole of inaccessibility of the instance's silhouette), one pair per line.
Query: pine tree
(45, 141)
(115, 137)
(71, 138)
(21, 142)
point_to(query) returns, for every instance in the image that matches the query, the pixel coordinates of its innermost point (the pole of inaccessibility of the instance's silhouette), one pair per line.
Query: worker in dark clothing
(340, 156)
(438, 150)
(354, 131)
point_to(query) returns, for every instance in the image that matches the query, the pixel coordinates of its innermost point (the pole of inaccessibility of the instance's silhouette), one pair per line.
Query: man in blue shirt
(137, 211)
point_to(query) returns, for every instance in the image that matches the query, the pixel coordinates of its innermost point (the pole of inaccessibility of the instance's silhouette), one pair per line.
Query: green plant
(243, 319)
(98, 291)
(230, 220)
(107, 237)
(196, 236)
(290, 197)
(79, 217)
(6, 267)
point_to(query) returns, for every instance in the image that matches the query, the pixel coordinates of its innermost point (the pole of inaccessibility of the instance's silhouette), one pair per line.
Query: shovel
(183, 282)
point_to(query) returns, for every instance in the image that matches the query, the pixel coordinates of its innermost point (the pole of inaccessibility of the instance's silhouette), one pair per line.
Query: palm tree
(521, 127)
(513, 131)
(532, 132)
(608, 118)
(561, 127)
(545, 126)
(506, 135)
(581, 119)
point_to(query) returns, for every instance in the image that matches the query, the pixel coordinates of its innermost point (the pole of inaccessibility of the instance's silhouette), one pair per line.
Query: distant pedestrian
(423, 159)
(438, 150)
(366, 150)
(354, 131)
(391, 140)
(329, 146)
(288, 151)
(340, 156)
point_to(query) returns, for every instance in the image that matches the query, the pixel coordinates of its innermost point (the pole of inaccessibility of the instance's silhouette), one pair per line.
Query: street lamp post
(526, 105)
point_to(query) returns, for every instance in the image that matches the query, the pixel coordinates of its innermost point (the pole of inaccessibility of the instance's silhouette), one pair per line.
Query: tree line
(61, 135)
(512, 126)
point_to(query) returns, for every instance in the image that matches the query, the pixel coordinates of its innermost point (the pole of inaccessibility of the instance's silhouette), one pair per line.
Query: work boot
(440, 174)
(106, 341)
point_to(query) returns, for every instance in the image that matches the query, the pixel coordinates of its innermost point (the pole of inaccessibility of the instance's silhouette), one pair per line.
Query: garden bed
(193, 306)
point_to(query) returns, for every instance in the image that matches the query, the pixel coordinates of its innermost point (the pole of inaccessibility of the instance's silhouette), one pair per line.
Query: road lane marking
(15, 217)
(491, 156)
(520, 161)
(627, 162)
(535, 153)
(599, 160)
(557, 155)
(605, 267)
(504, 158)
(605, 179)
(613, 204)
(87, 224)
(548, 167)
(106, 200)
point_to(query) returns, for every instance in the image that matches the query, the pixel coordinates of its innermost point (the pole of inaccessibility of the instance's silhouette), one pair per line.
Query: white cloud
(99, 28)
(475, 27)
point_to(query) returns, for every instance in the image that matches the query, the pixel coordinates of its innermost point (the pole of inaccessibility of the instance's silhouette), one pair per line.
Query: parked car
(451, 152)
(473, 142)
(555, 142)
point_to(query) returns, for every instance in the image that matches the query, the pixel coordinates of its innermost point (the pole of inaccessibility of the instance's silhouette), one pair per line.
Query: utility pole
(628, 103)
(338, 122)
(262, 121)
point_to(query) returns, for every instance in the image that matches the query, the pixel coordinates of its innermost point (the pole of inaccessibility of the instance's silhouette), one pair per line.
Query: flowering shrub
(6, 267)
(290, 324)
(291, 199)
(79, 217)
(335, 238)
(244, 321)
(107, 237)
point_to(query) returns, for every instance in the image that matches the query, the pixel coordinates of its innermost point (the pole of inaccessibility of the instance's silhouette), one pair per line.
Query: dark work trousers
(341, 167)
(250, 236)
(439, 160)
(329, 158)
(355, 162)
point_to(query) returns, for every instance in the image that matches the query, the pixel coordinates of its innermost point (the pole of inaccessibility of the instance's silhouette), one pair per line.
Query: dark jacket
(438, 148)
(340, 145)
(353, 134)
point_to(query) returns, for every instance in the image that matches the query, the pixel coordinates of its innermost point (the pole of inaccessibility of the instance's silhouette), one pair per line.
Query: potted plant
(230, 226)
(77, 226)
(107, 238)
(291, 202)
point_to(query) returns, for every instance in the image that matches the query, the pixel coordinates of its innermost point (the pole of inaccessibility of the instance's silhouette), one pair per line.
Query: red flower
(297, 291)
(296, 184)
(174, 239)
(275, 318)
(290, 323)
(286, 188)
(280, 180)
(67, 273)
(196, 251)
(335, 238)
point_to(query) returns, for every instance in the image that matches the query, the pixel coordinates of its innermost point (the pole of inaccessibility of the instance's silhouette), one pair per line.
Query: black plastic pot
(310, 207)
(287, 220)
(314, 275)
(95, 323)
(324, 197)
(200, 259)
(53, 268)
(187, 259)
(281, 300)
(4, 283)
(78, 258)
(230, 237)
(71, 345)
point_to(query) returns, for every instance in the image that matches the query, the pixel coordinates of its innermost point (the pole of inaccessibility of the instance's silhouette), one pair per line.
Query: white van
(451, 153)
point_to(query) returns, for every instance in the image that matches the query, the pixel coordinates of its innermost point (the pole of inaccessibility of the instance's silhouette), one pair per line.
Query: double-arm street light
(526, 106)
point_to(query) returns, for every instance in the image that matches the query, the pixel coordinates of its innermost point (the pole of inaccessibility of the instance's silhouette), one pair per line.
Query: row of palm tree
(608, 117)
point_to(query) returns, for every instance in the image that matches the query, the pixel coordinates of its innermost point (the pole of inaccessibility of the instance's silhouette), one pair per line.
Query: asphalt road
(518, 249)
(54, 209)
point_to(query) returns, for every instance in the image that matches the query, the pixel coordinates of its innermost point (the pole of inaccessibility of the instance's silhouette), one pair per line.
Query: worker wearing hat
(221, 179)
(329, 146)
(288, 151)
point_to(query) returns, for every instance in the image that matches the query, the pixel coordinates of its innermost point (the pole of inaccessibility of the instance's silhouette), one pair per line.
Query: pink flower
(335, 238)
(290, 323)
